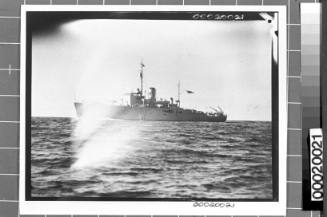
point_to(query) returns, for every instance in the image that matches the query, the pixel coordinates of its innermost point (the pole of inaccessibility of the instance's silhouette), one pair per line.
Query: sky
(225, 63)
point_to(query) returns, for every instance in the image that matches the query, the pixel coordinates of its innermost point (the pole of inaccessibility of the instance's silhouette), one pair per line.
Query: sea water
(143, 160)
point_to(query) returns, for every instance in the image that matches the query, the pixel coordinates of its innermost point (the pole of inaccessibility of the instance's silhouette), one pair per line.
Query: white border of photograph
(158, 207)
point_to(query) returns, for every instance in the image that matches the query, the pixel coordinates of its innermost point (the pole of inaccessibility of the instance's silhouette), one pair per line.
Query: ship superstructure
(150, 108)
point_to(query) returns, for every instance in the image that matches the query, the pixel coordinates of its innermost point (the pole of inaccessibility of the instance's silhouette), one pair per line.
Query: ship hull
(156, 114)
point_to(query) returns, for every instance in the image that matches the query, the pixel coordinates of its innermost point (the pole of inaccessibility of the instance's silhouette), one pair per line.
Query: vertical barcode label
(316, 150)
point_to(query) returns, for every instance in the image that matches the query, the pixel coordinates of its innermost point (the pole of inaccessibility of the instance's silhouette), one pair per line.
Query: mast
(141, 76)
(179, 93)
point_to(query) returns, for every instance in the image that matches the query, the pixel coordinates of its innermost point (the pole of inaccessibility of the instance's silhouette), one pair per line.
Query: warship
(149, 108)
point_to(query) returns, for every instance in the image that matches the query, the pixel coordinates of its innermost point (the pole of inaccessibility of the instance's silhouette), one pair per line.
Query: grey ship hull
(156, 114)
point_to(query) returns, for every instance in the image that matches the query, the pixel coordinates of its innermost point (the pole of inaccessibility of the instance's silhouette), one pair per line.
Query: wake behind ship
(149, 108)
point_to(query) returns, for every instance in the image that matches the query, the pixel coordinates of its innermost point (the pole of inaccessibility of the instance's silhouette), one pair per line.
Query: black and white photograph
(154, 105)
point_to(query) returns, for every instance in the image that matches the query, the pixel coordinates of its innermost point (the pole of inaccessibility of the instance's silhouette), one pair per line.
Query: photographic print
(175, 106)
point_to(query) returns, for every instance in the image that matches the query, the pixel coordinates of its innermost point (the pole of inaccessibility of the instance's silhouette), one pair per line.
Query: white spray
(100, 140)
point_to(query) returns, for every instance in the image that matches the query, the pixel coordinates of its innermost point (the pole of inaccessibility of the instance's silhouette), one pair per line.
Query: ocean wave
(162, 160)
